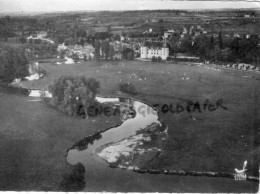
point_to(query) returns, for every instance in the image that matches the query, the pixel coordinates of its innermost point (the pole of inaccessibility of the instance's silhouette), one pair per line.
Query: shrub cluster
(72, 93)
(128, 88)
(41, 71)
(156, 59)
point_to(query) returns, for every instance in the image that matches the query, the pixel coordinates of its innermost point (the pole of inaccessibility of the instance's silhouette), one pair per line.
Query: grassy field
(11, 44)
(34, 141)
(208, 141)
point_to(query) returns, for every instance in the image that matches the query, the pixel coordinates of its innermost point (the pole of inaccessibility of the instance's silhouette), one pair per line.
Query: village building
(248, 36)
(191, 30)
(185, 31)
(61, 47)
(82, 51)
(86, 19)
(41, 34)
(197, 33)
(154, 20)
(168, 33)
(154, 49)
(100, 29)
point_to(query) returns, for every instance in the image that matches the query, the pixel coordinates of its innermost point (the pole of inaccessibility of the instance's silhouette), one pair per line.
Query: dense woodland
(226, 49)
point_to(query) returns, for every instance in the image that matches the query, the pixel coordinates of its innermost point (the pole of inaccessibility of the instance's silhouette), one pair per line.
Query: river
(100, 177)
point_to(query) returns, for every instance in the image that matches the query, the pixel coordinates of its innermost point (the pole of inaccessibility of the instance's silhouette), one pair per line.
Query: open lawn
(34, 141)
(11, 44)
(217, 140)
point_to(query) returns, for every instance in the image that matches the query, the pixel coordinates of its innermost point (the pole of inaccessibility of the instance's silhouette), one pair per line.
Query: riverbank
(135, 151)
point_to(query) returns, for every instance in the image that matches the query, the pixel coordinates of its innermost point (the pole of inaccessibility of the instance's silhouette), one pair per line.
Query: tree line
(238, 49)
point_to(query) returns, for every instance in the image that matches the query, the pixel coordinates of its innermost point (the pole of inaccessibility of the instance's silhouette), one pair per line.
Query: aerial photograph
(158, 96)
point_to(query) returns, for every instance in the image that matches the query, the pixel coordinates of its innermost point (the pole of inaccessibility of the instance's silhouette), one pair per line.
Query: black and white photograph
(144, 96)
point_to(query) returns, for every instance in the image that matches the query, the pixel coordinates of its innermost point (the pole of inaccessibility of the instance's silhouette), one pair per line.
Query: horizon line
(62, 6)
(125, 10)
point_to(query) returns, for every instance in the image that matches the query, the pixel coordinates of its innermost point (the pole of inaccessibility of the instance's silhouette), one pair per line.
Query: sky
(85, 5)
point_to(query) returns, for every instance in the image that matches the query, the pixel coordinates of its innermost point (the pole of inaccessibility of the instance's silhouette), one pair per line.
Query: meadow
(218, 140)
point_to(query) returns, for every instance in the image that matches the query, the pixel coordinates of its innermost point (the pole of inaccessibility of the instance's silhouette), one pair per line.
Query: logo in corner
(241, 174)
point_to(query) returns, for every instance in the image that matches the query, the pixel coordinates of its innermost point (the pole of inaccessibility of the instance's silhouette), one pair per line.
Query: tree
(13, 64)
(215, 54)
(201, 45)
(60, 39)
(97, 49)
(36, 41)
(111, 51)
(220, 40)
(106, 48)
(128, 54)
(30, 41)
(227, 55)
(186, 44)
(70, 93)
(117, 37)
(174, 43)
(211, 46)
(161, 26)
(75, 57)
(68, 41)
(81, 33)
(22, 40)
(102, 35)
(109, 29)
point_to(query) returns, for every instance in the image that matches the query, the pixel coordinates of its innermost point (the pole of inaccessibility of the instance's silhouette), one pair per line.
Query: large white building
(154, 50)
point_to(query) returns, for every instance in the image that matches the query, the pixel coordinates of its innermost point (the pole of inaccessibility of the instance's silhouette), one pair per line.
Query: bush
(128, 88)
(156, 59)
(41, 71)
(70, 93)
(75, 58)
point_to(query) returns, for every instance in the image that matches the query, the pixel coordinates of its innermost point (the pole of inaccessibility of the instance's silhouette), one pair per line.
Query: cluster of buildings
(192, 30)
(145, 48)
(150, 49)
(86, 51)
(117, 50)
